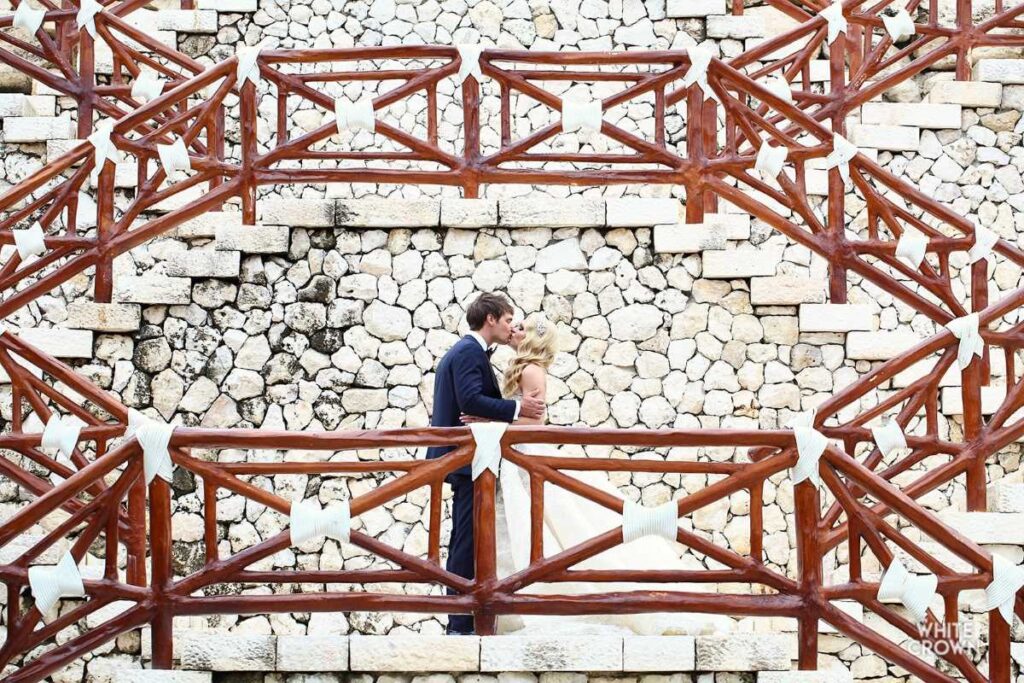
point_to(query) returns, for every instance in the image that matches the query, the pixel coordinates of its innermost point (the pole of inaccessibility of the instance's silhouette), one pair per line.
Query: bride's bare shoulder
(534, 372)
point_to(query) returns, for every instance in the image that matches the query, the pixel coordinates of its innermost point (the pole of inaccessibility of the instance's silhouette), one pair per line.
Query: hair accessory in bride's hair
(541, 326)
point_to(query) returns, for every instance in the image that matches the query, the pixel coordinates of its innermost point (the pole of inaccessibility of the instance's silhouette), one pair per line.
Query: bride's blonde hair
(538, 347)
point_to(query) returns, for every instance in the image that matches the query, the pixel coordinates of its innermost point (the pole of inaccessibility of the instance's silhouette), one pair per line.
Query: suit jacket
(465, 383)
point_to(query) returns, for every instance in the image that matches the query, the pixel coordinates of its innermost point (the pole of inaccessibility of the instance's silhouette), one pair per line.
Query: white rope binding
(1007, 580)
(103, 147)
(971, 343)
(86, 17)
(779, 86)
(62, 432)
(889, 437)
(984, 240)
(915, 591)
(309, 520)
(469, 63)
(147, 86)
(174, 159)
(50, 583)
(581, 115)
(911, 247)
(770, 160)
(843, 151)
(487, 455)
(154, 437)
(810, 444)
(639, 521)
(248, 69)
(833, 15)
(697, 74)
(356, 115)
(29, 242)
(27, 18)
(899, 27)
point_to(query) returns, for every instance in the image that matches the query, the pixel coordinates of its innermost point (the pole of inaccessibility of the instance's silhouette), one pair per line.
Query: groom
(465, 384)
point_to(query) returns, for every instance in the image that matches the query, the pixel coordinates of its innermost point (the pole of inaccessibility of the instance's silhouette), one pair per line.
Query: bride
(570, 520)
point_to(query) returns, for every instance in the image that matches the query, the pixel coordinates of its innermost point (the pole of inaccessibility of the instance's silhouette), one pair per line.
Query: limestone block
(967, 93)
(658, 653)
(987, 528)
(469, 213)
(205, 225)
(180, 200)
(37, 128)
(547, 213)
(742, 262)
(1006, 497)
(13, 80)
(737, 27)
(229, 652)
(741, 652)
(685, 9)
(253, 239)
(88, 315)
(835, 317)
(312, 653)
(303, 213)
(805, 677)
(952, 399)
(893, 138)
(204, 263)
(551, 653)
(162, 676)
(922, 114)
(1000, 70)
(228, 5)
(786, 290)
(879, 345)
(687, 238)
(59, 342)
(187, 21)
(387, 213)
(637, 212)
(152, 289)
(414, 653)
(18, 104)
(733, 226)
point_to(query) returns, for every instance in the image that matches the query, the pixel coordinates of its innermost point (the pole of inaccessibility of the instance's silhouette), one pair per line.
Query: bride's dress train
(568, 521)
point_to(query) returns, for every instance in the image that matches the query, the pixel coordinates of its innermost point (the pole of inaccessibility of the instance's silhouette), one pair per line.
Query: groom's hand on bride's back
(532, 406)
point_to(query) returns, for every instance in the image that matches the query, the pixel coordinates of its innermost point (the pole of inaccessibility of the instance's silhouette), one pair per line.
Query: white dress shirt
(483, 344)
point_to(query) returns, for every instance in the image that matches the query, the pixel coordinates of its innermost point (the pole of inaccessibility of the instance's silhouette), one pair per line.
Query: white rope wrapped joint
(30, 242)
(27, 18)
(86, 17)
(309, 521)
(358, 115)
(487, 454)
(966, 329)
(1007, 580)
(697, 74)
(911, 247)
(51, 583)
(62, 432)
(154, 437)
(148, 85)
(248, 69)
(984, 241)
(639, 521)
(889, 437)
(469, 63)
(843, 152)
(833, 16)
(174, 159)
(899, 26)
(103, 147)
(810, 445)
(915, 591)
(581, 115)
(770, 160)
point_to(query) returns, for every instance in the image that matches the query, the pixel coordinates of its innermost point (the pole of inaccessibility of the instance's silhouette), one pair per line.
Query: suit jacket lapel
(495, 391)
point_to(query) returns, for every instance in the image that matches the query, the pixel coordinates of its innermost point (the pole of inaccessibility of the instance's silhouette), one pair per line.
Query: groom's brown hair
(485, 305)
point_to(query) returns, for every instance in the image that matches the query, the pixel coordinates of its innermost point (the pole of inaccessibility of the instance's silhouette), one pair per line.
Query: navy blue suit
(464, 383)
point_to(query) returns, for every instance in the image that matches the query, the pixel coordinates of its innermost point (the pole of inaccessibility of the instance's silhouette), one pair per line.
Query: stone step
(22, 105)
(921, 114)
(33, 129)
(99, 317)
(786, 290)
(740, 262)
(152, 289)
(205, 225)
(1005, 71)
(691, 238)
(987, 528)
(159, 676)
(1006, 496)
(204, 263)
(967, 93)
(59, 342)
(836, 317)
(218, 651)
(886, 137)
(252, 239)
(13, 80)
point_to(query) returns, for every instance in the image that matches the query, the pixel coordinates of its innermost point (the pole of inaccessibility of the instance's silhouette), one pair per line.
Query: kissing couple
(466, 389)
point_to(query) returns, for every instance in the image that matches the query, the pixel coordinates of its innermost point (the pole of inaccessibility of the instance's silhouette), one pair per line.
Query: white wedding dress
(568, 521)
